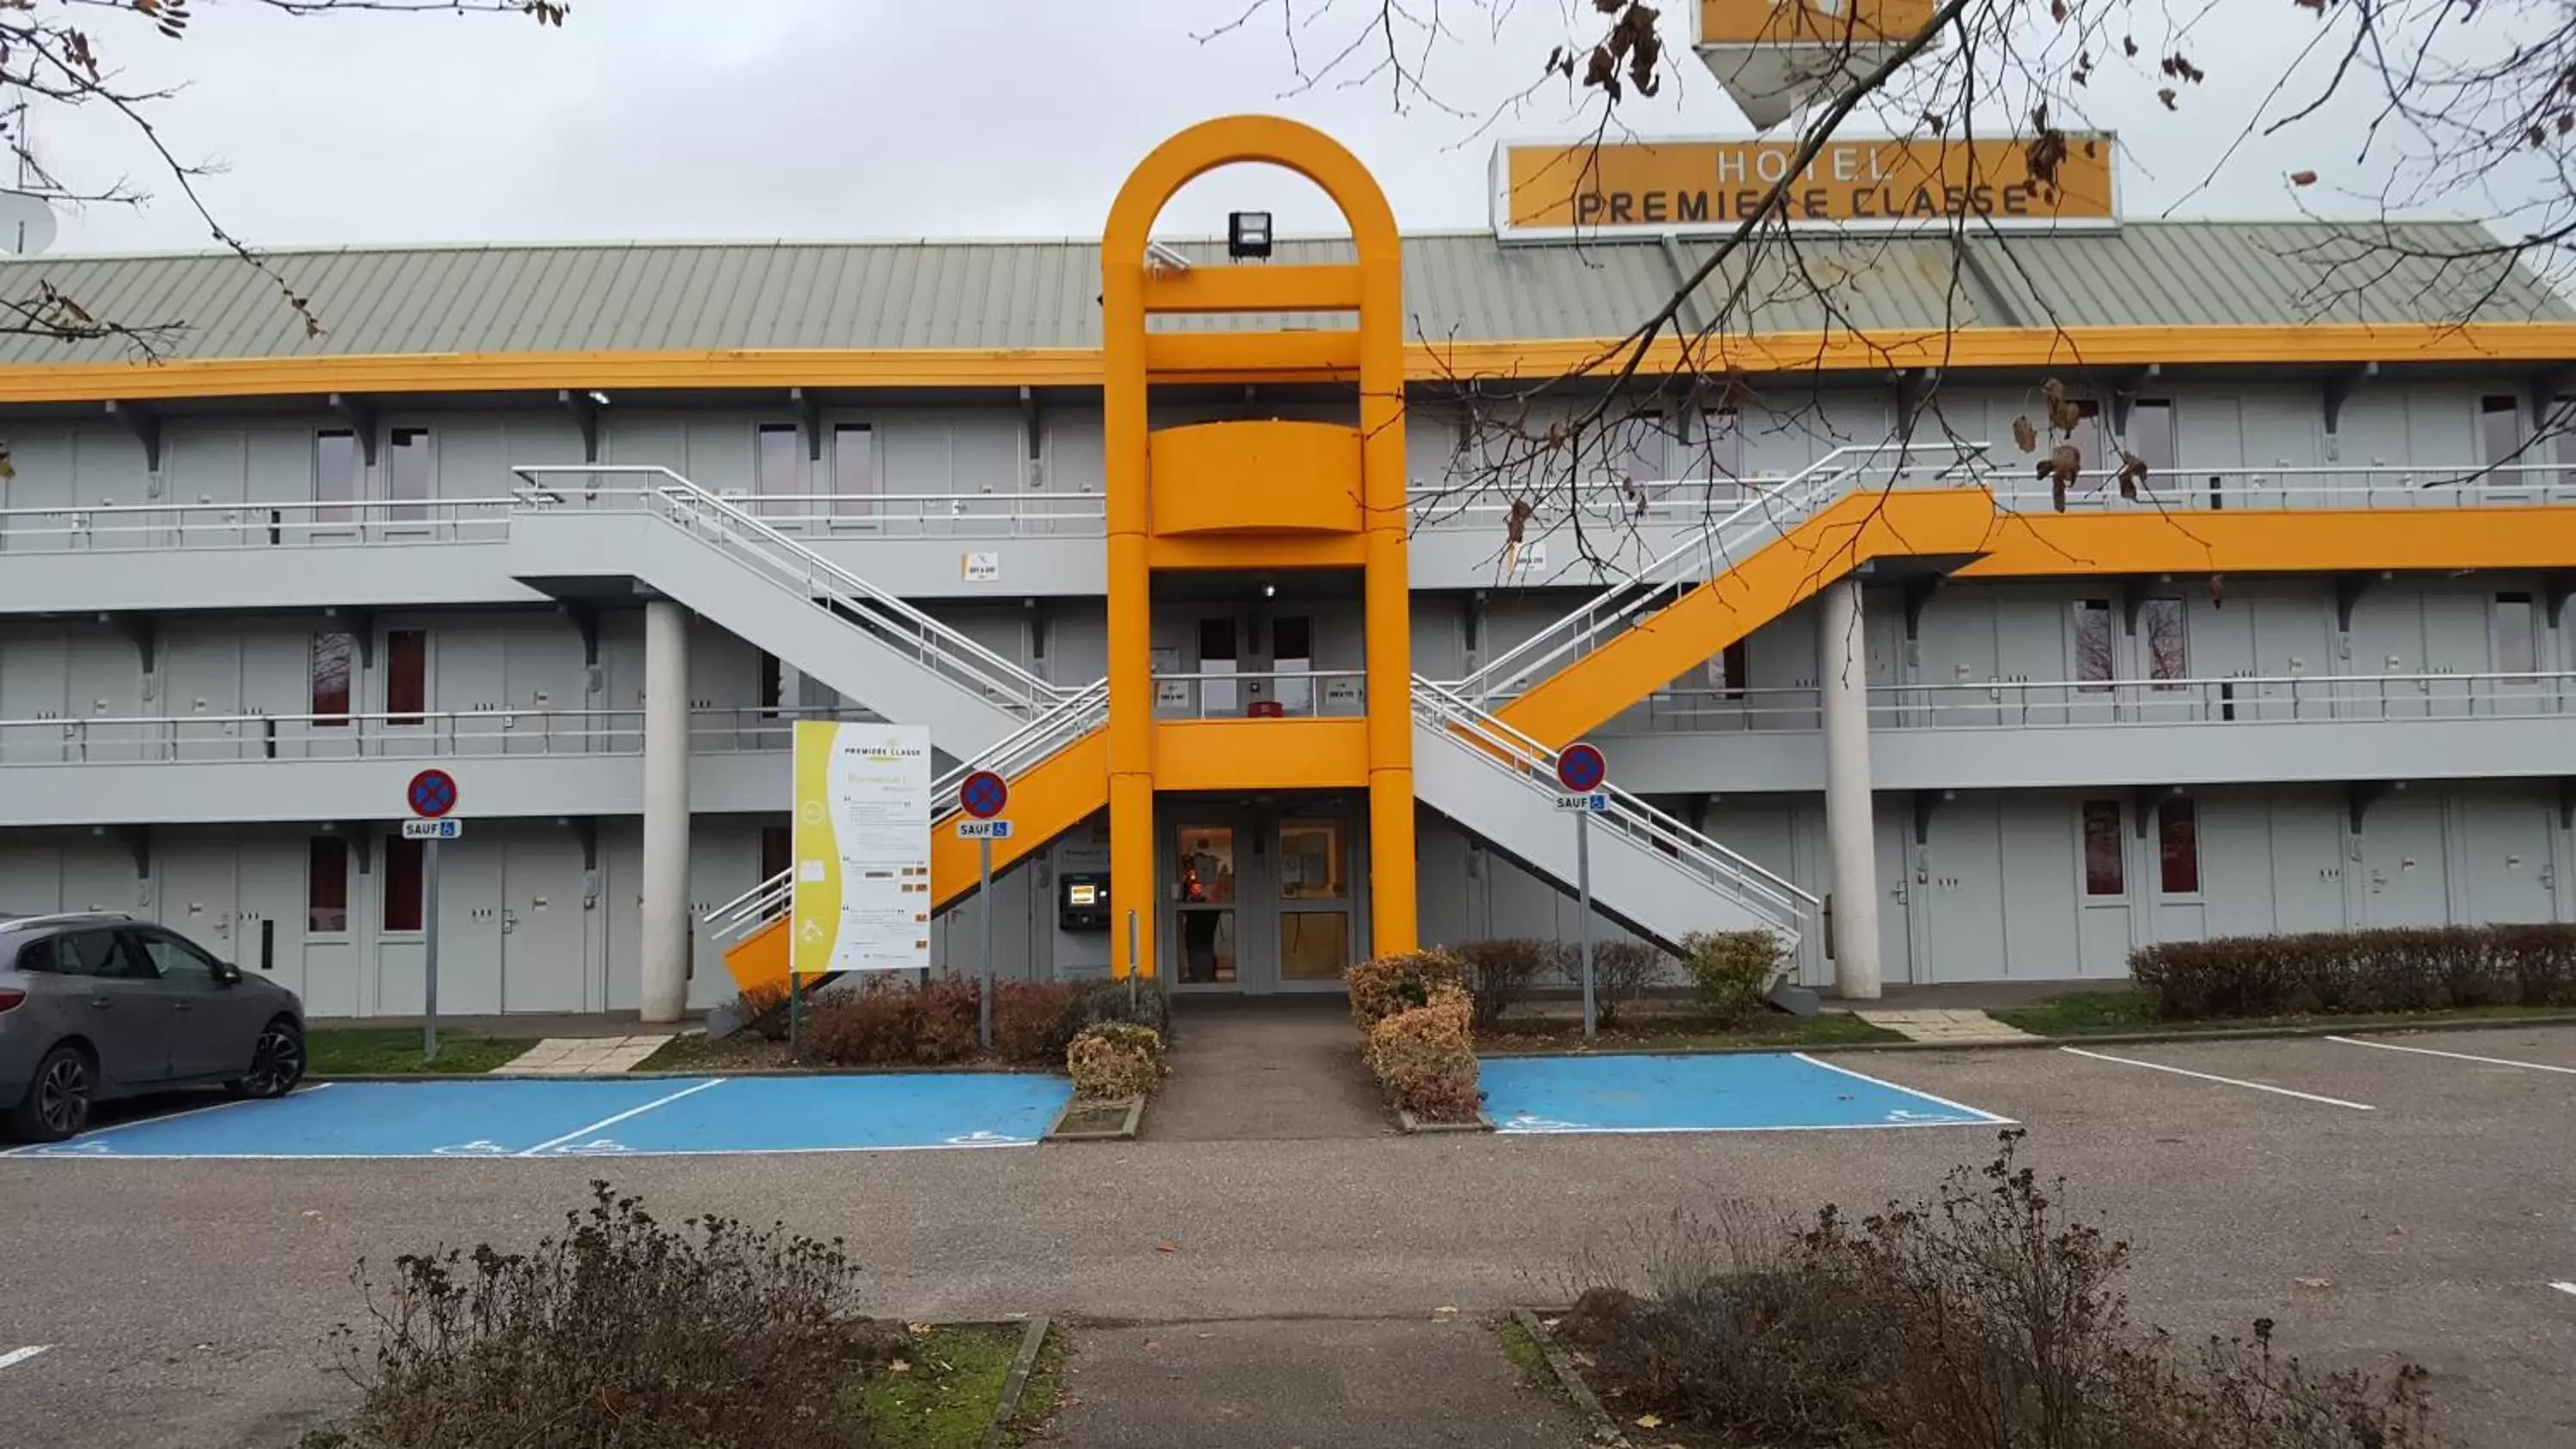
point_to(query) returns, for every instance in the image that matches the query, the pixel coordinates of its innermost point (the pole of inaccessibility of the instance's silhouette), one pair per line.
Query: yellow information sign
(1651, 187)
(860, 896)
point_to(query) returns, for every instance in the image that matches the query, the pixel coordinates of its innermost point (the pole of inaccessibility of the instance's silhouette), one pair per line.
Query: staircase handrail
(1772, 512)
(941, 645)
(1776, 900)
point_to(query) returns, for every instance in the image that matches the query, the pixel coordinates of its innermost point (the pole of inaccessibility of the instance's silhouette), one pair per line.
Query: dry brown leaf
(1650, 1421)
(1167, 1247)
(2025, 436)
(2303, 178)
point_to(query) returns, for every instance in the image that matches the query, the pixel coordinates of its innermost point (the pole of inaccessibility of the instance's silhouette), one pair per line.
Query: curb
(1022, 1365)
(504, 1074)
(1124, 1132)
(1424, 1127)
(1605, 1430)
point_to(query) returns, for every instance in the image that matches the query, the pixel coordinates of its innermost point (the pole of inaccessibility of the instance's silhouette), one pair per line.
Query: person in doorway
(1198, 945)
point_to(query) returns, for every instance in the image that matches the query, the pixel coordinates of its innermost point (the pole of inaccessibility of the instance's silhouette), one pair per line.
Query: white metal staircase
(651, 524)
(1650, 870)
(1775, 508)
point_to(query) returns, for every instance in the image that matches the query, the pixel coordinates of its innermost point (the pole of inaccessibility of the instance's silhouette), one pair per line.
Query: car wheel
(58, 1099)
(276, 1064)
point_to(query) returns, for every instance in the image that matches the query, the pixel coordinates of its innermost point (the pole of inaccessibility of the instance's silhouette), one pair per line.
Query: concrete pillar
(665, 927)
(1842, 680)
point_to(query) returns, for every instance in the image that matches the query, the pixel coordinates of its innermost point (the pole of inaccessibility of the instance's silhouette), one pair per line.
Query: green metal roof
(650, 296)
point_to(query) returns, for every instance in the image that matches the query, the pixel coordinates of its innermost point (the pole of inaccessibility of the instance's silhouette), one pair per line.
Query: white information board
(861, 844)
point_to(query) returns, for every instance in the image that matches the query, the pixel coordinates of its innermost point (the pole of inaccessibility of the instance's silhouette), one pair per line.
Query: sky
(688, 119)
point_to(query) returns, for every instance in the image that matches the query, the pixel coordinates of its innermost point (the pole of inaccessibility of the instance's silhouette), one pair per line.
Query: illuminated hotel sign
(1649, 188)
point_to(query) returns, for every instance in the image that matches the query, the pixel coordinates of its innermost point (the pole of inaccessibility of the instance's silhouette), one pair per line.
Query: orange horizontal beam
(1275, 356)
(1254, 289)
(1257, 551)
(2026, 545)
(1260, 754)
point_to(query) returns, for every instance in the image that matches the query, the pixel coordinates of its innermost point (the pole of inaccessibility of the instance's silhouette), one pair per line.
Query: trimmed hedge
(1388, 984)
(2433, 968)
(1115, 1060)
(1731, 971)
(1425, 1058)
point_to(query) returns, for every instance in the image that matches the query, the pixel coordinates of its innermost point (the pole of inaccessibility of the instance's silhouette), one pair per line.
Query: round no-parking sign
(1580, 767)
(983, 794)
(432, 793)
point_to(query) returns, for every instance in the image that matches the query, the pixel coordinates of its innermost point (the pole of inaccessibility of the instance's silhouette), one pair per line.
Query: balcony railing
(209, 738)
(1275, 694)
(2019, 704)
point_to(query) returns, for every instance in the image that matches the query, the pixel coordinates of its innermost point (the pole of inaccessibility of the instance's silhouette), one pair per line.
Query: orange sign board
(1861, 184)
(1810, 22)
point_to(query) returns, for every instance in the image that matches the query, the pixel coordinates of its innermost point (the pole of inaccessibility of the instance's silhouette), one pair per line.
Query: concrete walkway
(584, 1056)
(1280, 1069)
(1949, 1028)
(1304, 1383)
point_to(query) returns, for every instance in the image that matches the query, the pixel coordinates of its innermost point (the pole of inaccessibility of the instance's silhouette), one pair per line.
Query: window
(101, 954)
(2093, 644)
(2516, 641)
(335, 656)
(1649, 452)
(779, 474)
(1216, 657)
(1722, 431)
(406, 675)
(2104, 873)
(338, 468)
(326, 885)
(2178, 845)
(407, 474)
(777, 849)
(2167, 655)
(1292, 652)
(1726, 670)
(178, 961)
(854, 469)
(402, 884)
(2151, 437)
(772, 685)
(2499, 432)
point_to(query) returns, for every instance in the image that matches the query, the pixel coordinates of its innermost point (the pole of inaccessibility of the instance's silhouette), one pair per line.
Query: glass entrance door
(1314, 901)
(1203, 900)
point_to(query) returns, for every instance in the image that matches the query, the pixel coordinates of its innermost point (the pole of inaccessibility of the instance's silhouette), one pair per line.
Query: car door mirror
(227, 974)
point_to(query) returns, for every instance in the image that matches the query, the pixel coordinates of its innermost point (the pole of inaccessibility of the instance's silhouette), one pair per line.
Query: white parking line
(578, 1132)
(2455, 1056)
(18, 1356)
(54, 1149)
(1988, 1118)
(2230, 1081)
(2564, 1287)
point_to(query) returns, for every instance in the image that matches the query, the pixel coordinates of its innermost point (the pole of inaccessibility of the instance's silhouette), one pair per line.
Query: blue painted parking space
(642, 1116)
(1750, 1092)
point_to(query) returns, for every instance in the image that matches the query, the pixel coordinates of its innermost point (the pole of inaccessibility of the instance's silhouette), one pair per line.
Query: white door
(543, 963)
(1966, 893)
(2103, 863)
(269, 913)
(200, 895)
(2511, 875)
(469, 928)
(200, 691)
(2404, 883)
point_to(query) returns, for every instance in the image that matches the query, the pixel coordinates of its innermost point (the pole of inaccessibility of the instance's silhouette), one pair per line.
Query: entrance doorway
(1262, 897)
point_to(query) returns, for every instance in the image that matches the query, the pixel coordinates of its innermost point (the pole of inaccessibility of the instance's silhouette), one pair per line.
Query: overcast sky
(870, 118)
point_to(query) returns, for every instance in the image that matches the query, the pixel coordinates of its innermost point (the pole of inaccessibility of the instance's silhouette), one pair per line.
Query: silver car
(96, 1007)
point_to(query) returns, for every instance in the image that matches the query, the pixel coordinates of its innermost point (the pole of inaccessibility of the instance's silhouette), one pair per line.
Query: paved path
(1950, 1028)
(583, 1056)
(1267, 1071)
(1304, 1383)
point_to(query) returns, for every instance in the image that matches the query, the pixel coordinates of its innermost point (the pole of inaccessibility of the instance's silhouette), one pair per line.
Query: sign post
(982, 797)
(431, 794)
(1583, 772)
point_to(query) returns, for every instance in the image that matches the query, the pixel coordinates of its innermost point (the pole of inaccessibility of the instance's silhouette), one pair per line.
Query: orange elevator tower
(1254, 494)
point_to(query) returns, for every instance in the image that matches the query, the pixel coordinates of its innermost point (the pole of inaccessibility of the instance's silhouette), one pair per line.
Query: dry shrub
(1501, 972)
(762, 1010)
(1034, 1021)
(2424, 968)
(618, 1331)
(1114, 1060)
(1984, 1318)
(1622, 971)
(886, 1023)
(1389, 984)
(1731, 972)
(1426, 1059)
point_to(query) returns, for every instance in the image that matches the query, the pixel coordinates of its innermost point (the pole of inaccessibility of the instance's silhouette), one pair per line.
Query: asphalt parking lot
(2379, 1204)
